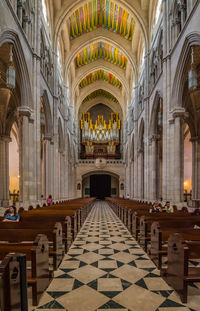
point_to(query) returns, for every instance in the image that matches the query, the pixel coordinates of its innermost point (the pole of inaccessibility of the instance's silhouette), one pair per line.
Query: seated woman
(169, 208)
(11, 215)
(155, 208)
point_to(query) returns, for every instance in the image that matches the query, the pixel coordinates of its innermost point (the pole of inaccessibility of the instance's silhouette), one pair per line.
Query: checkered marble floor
(105, 269)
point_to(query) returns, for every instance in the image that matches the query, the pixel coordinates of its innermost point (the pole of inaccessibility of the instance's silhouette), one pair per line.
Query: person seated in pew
(196, 212)
(155, 208)
(11, 215)
(168, 208)
(184, 209)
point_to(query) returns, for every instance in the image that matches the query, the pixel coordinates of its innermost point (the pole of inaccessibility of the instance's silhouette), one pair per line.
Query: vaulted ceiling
(101, 42)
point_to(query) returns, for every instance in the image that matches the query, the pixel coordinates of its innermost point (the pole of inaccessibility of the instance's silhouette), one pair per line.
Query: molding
(184, 27)
(25, 111)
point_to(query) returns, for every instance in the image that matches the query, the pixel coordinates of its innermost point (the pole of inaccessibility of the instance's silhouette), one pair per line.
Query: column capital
(179, 112)
(48, 137)
(154, 137)
(5, 138)
(195, 139)
(25, 111)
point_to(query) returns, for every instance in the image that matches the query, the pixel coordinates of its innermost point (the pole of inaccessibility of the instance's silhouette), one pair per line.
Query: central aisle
(105, 269)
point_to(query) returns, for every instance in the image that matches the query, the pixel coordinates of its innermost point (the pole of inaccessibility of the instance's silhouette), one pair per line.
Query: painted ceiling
(102, 75)
(101, 13)
(99, 93)
(101, 50)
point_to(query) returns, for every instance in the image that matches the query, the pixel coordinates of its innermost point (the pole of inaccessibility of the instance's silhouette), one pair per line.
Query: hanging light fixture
(10, 72)
(193, 78)
(193, 83)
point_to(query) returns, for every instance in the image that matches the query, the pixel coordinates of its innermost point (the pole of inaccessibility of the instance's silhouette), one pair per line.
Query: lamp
(193, 78)
(193, 83)
(9, 77)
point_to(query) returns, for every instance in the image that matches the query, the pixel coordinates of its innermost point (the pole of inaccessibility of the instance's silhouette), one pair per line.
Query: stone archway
(111, 179)
(156, 145)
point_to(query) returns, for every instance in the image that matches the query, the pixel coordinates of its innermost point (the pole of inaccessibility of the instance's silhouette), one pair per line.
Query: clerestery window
(158, 11)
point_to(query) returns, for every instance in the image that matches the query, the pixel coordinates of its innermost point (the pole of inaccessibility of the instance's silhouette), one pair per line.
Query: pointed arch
(156, 102)
(141, 132)
(48, 115)
(61, 142)
(179, 80)
(9, 36)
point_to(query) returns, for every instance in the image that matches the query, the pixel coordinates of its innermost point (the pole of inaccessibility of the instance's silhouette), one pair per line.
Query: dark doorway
(100, 186)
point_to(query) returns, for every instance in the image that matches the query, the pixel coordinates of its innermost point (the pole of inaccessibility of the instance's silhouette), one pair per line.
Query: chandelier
(194, 77)
(7, 78)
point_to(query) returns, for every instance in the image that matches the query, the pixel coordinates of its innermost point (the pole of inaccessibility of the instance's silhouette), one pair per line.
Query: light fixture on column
(7, 77)
(193, 78)
(10, 72)
(193, 83)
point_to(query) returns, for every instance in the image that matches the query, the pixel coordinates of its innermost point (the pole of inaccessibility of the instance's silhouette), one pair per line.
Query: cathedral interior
(100, 109)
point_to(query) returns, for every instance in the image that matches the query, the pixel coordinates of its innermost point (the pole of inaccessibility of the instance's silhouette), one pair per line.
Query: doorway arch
(110, 182)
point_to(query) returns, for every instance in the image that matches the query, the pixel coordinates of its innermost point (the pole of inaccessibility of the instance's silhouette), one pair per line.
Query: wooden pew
(13, 286)
(160, 232)
(181, 248)
(75, 211)
(56, 215)
(15, 232)
(146, 222)
(37, 253)
(135, 222)
(66, 221)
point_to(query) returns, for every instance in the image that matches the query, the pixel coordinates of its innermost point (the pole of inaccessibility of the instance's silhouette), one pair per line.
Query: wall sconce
(9, 78)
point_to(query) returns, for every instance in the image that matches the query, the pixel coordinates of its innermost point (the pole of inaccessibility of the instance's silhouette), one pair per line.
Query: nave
(105, 269)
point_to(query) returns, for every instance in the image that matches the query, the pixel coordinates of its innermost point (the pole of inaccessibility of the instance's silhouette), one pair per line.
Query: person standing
(50, 200)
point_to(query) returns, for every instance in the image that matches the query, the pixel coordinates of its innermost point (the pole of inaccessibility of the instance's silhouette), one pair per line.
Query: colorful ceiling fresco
(100, 93)
(101, 50)
(100, 75)
(101, 13)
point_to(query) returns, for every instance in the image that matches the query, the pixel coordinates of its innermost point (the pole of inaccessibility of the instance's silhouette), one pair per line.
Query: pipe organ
(100, 139)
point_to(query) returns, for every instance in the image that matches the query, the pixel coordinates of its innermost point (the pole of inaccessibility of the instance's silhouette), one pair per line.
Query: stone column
(128, 179)
(154, 157)
(4, 170)
(66, 174)
(195, 168)
(141, 174)
(121, 191)
(132, 179)
(62, 176)
(178, 186)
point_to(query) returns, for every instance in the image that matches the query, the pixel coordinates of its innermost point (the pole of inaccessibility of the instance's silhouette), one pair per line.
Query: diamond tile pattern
(105, 269)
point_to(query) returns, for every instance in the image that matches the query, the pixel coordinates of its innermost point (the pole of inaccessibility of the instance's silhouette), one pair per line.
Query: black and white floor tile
(105, 269)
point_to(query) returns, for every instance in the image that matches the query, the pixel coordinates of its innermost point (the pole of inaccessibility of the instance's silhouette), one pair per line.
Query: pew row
(37, 254)
(182, 248)
(13, 285)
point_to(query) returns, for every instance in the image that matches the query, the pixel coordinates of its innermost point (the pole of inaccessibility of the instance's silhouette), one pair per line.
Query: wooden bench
(37, 252)
(68, 222)
(15, 232)
(160, 232)
(146, 222)
(182, 248)
(13, 286)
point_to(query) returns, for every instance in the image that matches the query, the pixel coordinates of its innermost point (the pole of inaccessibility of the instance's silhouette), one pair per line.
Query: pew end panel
(40, 267)
(178, 273)
(13, 286)
(57, 245)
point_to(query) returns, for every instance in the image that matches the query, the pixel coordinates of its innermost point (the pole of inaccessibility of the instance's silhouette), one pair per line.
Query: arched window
(44, 11)
(59, 58)
(158, 11)
(142, 56)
